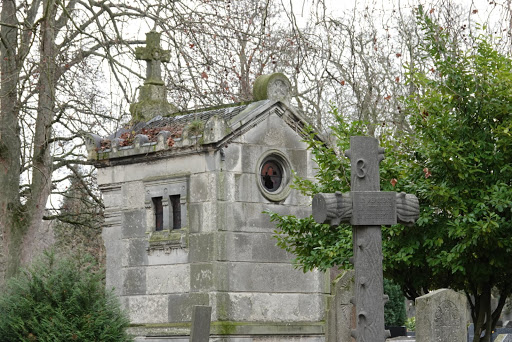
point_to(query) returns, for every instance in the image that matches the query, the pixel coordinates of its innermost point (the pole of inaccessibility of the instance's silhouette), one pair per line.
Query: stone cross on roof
(153, 95)
(153, 54)
(366, 208)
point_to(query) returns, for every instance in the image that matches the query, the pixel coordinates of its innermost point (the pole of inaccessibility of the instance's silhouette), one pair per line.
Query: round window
(273, 175)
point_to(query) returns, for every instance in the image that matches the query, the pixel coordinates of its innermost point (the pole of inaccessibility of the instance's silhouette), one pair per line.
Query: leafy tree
(458, 163)
(462, 174)
(60, 299)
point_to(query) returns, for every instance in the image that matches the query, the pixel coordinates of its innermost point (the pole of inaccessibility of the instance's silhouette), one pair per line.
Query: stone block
(232, 158)
(209, 213)
(441, 317)
(133, 195)
(136, 252)
(208, 277)
(204, 246)
(272, 278)
(212, 160)
(168, 279)
(201, 189)
(201, 318)
(246, 188)
(134, 281)
(148, 309)
(249, 217)
(190, 163)
(114, 248)
(273, 307)
(254, 247)
(251, 154)
(226, 187)
(106, 176)
(195, 217)
(112, 196)
(133, 223)
(230, 216)
(180, 305)
(168, 257)
(201, 217)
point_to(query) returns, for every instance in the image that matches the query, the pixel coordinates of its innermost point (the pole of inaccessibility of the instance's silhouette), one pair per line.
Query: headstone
(340, 311)
(201, 318)
(501, 331)
(367, 208)
(471, 332)
(441, 317)
(504, 338)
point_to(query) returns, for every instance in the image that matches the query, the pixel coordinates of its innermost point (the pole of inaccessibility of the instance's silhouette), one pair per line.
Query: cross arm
(407, 208)
(334, 208)
(152, 54)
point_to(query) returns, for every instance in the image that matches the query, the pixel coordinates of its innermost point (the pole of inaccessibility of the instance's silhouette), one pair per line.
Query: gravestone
(367, 209)
(340, 310)
(201, 318)
(471, 332)
(504, 338)
(441, 317)
(501, 331)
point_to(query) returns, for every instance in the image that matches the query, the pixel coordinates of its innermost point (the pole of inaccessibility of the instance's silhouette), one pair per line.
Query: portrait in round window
(273, 175)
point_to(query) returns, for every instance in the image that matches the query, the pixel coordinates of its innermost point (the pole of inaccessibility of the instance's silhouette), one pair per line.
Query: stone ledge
(222, 328)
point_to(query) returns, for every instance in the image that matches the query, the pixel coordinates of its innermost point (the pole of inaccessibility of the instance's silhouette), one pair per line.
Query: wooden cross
(153, 54)
(367, 209)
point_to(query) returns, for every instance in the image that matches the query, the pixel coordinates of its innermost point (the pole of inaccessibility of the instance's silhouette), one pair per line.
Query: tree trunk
(10, 147)
(40, 188)
(482, 314)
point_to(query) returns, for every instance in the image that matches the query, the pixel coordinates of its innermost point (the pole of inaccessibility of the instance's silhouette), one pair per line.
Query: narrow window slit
(159, 213)
(176, 211)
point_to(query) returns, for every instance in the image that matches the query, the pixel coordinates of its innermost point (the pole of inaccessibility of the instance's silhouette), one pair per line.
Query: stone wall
(225, 256)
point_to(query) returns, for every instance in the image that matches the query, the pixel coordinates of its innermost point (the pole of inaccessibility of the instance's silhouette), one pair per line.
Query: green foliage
(458, 163)
(60, 299)
(394, 310)
(410, 323)
(461, 173)
(463, 167)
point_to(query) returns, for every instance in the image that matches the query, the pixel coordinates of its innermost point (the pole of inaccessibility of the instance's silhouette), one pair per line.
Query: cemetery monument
(184, 193)
(366, 208)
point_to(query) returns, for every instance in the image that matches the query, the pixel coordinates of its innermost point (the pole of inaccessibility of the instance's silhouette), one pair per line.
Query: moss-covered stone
(274, 87)
(152, 96)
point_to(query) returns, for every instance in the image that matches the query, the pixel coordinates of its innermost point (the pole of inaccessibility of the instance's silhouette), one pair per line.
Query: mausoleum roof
(159, 131)
(188, 131)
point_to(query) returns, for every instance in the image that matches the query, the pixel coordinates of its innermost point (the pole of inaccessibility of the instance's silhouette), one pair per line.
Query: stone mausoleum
(184, 223)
